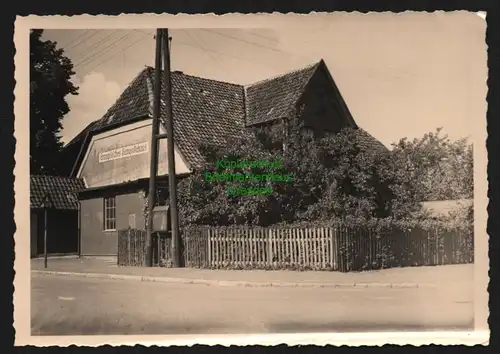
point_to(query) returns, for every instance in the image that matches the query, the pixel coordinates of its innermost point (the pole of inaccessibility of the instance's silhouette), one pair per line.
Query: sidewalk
(415, 277)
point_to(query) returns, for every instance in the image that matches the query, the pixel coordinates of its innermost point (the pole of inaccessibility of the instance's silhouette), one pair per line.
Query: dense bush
(335, 179)
(338, 182)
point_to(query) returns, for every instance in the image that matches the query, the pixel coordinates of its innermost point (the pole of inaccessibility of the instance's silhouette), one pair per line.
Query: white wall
(123, 155)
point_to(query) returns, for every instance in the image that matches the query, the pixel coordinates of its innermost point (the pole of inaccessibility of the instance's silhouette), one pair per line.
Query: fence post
(128, 248)
(209, 238)
(332, 248)
(158, 251)
(348, 249)
(269, 248)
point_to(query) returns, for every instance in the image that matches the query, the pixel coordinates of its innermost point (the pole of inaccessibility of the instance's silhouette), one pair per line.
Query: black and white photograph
(321, 173)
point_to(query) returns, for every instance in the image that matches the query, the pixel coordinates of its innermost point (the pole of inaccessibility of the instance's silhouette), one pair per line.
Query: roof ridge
(89, 126)
(136, 79)
(310, 66)
(196, 77)
(80, 134)
(150, 88)
(35, 175)
(207, 79)
(148, 71)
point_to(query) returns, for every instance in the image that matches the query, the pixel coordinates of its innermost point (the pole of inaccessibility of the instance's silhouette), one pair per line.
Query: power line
(205, 49)
(95, 45)
(74, 45)
(124, 49)
(220, 53)
(149, 33)
(94, 53)
(93, 58)
(76, 38)
(264, 37)
(202, 48)
(216, 52)
(245, 41)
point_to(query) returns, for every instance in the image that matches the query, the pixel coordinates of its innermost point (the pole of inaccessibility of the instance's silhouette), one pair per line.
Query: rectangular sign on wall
(122, 155)
(124, 151)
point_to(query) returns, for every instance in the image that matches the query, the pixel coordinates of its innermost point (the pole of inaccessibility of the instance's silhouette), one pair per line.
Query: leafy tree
(333, 178)
(435, 167)
(50, 73)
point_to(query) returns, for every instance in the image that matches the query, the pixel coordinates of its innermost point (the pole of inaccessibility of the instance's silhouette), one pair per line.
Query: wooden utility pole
(154, 150)
(169, 122)
(45, 238)
(45, 206)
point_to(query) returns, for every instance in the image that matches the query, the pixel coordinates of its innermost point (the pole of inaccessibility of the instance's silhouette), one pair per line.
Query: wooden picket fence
(320, 248)
(324, 248)
(132, 248)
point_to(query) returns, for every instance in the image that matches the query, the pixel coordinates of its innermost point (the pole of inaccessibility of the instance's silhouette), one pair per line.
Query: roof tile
(205, 111)
(273, 98)
(62, 191)
(368, 143)
(210, 111)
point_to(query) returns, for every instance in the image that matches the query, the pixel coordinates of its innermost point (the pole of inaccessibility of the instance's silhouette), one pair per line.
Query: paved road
(75, 306)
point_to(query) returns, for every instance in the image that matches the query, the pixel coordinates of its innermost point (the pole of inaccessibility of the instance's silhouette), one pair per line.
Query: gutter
(72, 174)
(136, 182)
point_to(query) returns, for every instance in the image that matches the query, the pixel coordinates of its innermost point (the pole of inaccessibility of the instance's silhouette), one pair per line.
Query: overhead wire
(76, 43)
(97, 44)
(104, 51)
(245, 41)
(95, 54)
(75, 39)
(99, 54)
(123, 50)
(202, 48)
(264, 37)
(220, 53)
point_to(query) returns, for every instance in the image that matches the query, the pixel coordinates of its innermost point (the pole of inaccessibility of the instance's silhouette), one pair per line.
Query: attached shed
(58, 197)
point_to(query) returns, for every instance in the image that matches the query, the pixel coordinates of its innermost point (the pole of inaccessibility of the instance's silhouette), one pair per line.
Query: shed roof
(62, 191)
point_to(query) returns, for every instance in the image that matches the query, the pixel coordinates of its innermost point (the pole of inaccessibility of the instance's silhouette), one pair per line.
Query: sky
(401, 76)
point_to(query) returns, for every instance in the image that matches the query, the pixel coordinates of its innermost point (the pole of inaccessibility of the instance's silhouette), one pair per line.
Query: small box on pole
(160, 218)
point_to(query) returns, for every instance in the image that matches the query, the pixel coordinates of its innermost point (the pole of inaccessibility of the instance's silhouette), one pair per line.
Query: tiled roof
(273, 99)
(62, 191)
(82, 134)
(135, 102)
(204, 110)
(368, 142)
(209, 111)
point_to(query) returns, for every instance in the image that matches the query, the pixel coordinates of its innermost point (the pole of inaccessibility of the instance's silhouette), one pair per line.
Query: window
(110, 213)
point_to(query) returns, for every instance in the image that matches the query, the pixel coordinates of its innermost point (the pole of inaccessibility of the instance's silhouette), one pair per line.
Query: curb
(233, 283)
